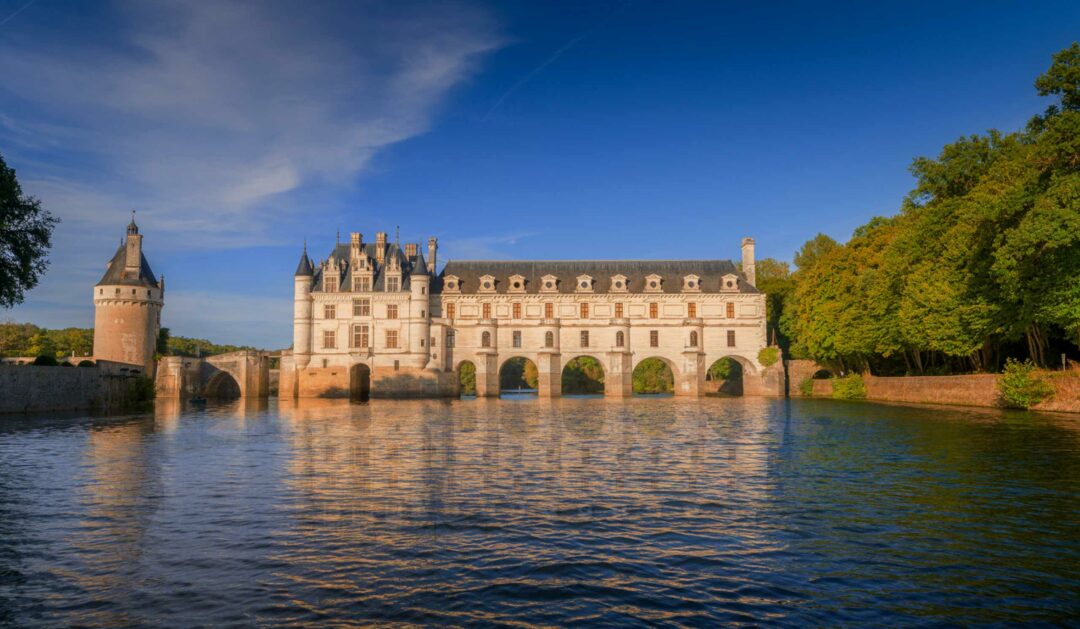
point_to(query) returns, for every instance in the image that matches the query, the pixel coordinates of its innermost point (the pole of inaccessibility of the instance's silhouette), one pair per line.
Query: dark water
(519, 512)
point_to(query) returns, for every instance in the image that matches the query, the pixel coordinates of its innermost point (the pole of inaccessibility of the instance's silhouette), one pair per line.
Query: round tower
(127, 306)
(302, 280)
(420, 312)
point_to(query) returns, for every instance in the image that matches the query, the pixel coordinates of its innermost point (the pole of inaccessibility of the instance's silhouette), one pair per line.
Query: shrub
(1020, 387)
(849, 388)
(45, 361)
(140, 393)
(768, 356)
(806, 387)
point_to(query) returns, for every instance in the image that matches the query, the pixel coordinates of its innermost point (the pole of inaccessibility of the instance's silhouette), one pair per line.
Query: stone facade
(127, 306)
(376, 318)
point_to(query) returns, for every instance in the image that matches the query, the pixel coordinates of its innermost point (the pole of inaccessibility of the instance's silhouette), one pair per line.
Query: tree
(813, 250)
(25, 237)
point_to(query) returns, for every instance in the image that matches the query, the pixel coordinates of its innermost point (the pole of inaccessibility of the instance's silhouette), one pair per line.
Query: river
(521, 511)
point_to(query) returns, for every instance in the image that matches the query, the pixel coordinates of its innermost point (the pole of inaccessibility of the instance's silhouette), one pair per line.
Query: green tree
(25, 237)
(653, 375)
(583, 375)
(467, 378)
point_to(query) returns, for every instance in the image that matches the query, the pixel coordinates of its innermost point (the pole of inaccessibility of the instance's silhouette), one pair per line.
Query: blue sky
(628, 129)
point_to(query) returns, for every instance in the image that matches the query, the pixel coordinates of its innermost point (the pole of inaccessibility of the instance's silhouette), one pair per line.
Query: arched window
(620, 339)
(485, 339)
(693, 339)
(549, 339)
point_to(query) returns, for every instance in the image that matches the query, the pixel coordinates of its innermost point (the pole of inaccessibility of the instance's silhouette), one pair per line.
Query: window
(731, 311)
(486, 311)
(118, 291)
(423, 313)
(654, 338)
(391, 339)
(361, 284)
(549, 339)
(485, 339)
(618, 311)
(585, 339)
(450, 339)
(361, 307)
(450, 311)
(329, 339)
(654, 310)
(391, 311)
(397, 365)
(691, 311)
(517, 338)
(423, 290)
(585, 311)
(433, 341)
(517, 311)
(620, 339)
(360, 336)
(330, 284)
(329, 311)
(693, 339)
(393, 284)
(731, 338)
(549, 311)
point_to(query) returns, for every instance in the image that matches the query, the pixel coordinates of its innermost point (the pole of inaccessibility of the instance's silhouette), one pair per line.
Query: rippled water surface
(518, 512)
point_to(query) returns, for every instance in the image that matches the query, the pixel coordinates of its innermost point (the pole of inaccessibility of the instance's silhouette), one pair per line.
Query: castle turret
(748, 267)
(420, 308)
(302, 281)
(127, 306)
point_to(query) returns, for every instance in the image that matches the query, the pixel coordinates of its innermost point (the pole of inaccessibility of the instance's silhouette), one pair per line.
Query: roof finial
(397, 235)
(305, 245)
(132, 228)
(337, 239)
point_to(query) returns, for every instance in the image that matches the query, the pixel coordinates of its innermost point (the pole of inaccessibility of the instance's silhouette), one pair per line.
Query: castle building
(376, 318)
(127, 306)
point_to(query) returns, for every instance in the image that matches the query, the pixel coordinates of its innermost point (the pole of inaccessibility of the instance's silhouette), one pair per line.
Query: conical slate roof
(304, 269)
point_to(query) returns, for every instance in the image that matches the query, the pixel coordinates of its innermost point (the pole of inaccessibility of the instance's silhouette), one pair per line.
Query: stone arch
(583, 375)
(519, 373)
(821, 374)
(359, 382)
(466, 377)
(650, 378)
(725, 376)
(223, 386)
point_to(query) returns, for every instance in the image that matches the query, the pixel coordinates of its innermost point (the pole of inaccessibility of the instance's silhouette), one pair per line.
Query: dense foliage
(982, 263)
(26, 339)
(653, 375)
(768, 356)
(519, 373)
(583, 375)
(848, 388)
(467, 378)
(1021, 387)
(25, 237)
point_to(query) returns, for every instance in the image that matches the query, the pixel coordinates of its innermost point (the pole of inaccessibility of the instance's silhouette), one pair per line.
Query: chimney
(380, 247)
(748, 261)
(410, 250)
(432, 247)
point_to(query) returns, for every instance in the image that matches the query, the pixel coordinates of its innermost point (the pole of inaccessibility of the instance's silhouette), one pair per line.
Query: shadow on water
(628, 512)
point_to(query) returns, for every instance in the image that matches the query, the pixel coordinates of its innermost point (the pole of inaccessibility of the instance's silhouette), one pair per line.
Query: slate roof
(304, 268)
(671, 271)
(340, 252)
(115, 274)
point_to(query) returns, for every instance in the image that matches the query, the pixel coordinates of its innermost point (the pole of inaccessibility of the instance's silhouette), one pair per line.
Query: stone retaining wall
(967, 390)
(31, 389)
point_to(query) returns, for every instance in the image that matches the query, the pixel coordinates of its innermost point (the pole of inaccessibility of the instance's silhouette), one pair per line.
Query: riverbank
(106, 386)
(964, 390)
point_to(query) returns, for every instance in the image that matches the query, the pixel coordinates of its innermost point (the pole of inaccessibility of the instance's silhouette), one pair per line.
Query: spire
(304, 269)
(132, 228)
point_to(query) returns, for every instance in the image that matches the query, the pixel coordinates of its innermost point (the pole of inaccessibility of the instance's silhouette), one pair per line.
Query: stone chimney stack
(748, 267)
(432, 248)
(380, 247)
(356, 244)
(410, 250)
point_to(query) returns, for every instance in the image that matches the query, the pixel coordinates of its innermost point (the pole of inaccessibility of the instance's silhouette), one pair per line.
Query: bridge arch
(725, 375)
(466, 377)
(654, 375)
(222, 386)
(583, 374)
(359, 382)
(518, 373)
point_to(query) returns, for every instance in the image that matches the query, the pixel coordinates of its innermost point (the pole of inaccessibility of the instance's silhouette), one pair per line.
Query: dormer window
(549, 284)
(452, 284)
(487, 284)
(729, 283)
(584, 284)
(618, 283)
(393, 283)
(691, 284)
(517, 284)
(330, 283)
(654, 283)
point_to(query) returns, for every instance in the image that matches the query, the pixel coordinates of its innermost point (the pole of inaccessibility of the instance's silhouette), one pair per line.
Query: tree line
(981, 264)
(27, 339)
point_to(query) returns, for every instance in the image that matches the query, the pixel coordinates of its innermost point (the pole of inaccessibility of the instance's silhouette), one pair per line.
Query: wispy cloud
(217, 120)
